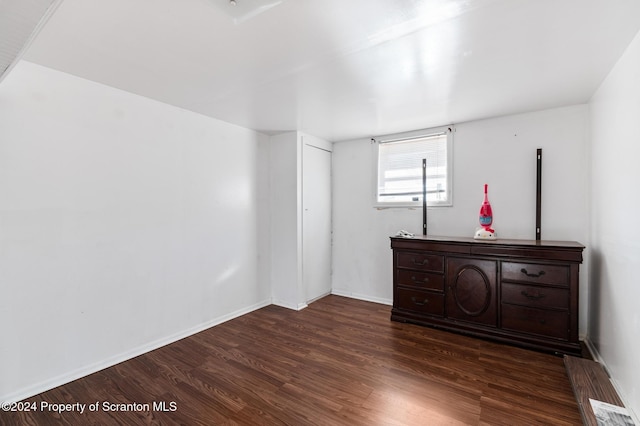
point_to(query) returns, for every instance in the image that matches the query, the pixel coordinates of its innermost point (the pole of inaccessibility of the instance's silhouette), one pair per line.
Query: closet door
(316, 221)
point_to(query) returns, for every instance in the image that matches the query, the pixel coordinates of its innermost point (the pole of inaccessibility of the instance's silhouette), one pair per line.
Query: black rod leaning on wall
(538, 194)
(424, 196)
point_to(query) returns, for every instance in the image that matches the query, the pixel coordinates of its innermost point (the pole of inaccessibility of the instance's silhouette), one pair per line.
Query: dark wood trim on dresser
(522, 292)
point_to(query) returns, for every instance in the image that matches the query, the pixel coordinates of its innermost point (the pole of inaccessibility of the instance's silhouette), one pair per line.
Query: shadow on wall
(596, 275)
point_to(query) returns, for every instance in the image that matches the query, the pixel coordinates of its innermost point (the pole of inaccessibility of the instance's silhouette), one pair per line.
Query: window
(399, 168)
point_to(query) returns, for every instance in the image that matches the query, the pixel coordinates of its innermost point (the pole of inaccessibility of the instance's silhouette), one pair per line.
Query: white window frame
(377, 141)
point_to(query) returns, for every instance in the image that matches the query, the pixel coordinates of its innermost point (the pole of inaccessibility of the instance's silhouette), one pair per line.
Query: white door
(316, 221)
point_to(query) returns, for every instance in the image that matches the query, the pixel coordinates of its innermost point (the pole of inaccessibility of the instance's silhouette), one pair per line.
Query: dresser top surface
(490, 243)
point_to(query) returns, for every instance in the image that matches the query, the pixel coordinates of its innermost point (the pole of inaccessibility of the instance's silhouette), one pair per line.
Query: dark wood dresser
(522, 292)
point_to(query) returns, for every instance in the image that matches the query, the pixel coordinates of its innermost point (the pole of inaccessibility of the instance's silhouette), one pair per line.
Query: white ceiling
(343, 69)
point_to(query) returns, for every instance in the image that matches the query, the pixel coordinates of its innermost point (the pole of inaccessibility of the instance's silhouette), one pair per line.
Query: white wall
(288, 286)
(125, 224)
(500, 152)
(285, 153)
(614, 323)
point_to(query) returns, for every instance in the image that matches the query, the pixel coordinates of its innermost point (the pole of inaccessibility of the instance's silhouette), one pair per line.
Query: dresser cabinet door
(471, 290)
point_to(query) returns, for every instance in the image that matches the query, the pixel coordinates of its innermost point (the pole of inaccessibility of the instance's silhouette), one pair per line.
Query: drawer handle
(535, 296)
(424, 280)
(530, 319)
(538, 275)
(416, 302)
(423, 263)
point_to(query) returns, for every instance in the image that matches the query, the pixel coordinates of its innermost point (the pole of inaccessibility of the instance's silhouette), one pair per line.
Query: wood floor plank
(589, 380)
(339, 361)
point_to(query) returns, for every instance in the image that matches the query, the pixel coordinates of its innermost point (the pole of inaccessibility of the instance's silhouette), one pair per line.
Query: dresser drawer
(419, 301)
(419, 279)
(536, 273)
(536, 321)
(420, 261)
(541, 297)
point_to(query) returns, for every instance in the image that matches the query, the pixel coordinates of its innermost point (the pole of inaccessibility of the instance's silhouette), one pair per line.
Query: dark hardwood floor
(340, 361)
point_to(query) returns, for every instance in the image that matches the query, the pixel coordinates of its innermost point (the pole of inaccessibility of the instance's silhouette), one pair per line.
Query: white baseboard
(288, 305)
(318, 298)
(594, 352)
(70, 376)
(363, 297)
(598, 358)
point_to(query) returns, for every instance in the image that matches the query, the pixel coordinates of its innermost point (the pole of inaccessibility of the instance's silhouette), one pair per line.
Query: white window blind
(399, 177)
(20, 21)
